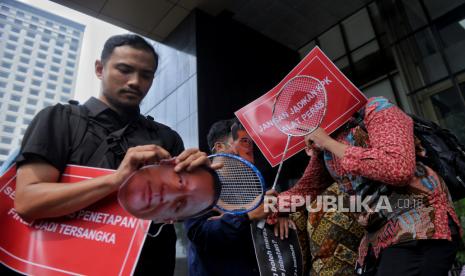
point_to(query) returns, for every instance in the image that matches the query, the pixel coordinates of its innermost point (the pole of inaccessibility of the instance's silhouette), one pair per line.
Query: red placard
(102, 239)
(343, 100)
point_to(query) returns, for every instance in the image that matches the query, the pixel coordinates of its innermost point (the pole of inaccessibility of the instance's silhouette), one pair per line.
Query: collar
(96, 107)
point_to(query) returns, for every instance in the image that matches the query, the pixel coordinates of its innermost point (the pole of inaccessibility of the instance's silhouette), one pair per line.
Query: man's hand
(192, 158)
(135, 158)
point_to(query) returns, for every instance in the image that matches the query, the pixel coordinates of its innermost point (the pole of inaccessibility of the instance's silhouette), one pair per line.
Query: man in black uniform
(107, 132)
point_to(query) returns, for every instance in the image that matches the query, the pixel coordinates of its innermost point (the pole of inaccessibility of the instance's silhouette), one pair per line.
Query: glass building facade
(39, 57)
(410, 51)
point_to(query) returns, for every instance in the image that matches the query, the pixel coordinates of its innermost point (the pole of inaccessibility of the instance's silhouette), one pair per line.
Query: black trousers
(422, 257)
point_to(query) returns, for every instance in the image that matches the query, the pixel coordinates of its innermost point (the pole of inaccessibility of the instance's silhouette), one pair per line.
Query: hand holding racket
(299, 109)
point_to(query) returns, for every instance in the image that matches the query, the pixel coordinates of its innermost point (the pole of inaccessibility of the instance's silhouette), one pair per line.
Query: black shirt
(51, 137)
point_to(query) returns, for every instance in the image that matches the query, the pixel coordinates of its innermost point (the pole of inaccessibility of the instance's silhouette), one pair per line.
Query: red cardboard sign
(102, 239)
(343, 100)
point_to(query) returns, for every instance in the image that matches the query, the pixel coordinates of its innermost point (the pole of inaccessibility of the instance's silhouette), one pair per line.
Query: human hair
(235, 127)
(220, 131)
(132, 40)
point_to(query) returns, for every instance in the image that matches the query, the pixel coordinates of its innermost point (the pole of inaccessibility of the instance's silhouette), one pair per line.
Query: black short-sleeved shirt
(50, 137)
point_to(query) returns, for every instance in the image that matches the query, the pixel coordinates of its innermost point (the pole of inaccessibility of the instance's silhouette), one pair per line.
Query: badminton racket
(298, 110)
(242, 184)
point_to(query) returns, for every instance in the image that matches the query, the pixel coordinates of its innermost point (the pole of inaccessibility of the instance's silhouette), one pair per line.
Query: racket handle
(281, 164)
(261, 224)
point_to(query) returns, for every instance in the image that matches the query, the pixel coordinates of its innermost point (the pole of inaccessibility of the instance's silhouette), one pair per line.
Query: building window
(69, 73)
(76, 33)
(38, 73)
(29, 111)
(40, 64)
(34, 92)
(54, 68)
(66, 90)
(41, 55)
(49, 95)
(4, 74)
(15, 30)
(11, 118)
(5, 8)
(67, 81)
(8, 129)
(70, 64)
(4, 151)
(8, 55)
(58, 52)
(15, 98)
(24, 60)
(47, 31)
(20, 13)
(60, 43)
(18, 88)
(36, 82)
(51, 86)
(64, 99)
(13, 108)
(33, 27)
(31, 34)
(31, 101)
(43, 47)
(6, 140)
(26, 121)
(63, 29)
(56, 60)
(20, 78)
(6, 65)
(73, 47)
(13, 38)
(18, 22)
(72, 56)
(22, 69)
(29, 42)
(2, 85)
(10, 46)
(47, 103)
(35, 19)
(49, 24)
(45, 39)
(26, 51)
(53, 77)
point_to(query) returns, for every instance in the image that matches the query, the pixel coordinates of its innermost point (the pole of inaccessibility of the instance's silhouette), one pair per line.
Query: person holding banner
(108, 132)
(376, 157)
(221, 244)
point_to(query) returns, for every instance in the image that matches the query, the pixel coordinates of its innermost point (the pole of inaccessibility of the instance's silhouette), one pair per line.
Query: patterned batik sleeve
(390, 156)
(313, 182)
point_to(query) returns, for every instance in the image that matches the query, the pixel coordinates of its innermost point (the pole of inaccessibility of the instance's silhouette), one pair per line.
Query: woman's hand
(281, 228)
(321, 139)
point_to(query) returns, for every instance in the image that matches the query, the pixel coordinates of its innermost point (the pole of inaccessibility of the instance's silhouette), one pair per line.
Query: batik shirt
(387, 154)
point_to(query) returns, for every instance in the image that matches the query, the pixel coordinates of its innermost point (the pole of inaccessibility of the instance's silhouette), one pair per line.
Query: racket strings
(241, 186)
(300, 106)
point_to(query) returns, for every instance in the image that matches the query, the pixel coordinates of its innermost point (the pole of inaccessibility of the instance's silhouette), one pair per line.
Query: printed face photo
(158, 193)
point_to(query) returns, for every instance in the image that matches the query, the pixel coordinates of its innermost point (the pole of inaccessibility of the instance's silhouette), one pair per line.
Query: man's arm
(38, 195)
(214, 235)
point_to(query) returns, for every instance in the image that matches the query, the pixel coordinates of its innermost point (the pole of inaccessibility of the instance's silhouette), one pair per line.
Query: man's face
(126, 76)
(158, 193)
(242, 146)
